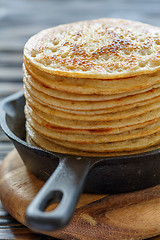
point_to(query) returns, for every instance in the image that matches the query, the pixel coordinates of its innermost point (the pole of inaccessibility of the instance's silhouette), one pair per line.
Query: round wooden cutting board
(123, 216)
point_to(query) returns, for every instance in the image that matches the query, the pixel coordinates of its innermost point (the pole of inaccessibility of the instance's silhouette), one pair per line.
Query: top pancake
(102, 49)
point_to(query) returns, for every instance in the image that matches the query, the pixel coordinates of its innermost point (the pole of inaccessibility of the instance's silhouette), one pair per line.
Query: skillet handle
(64, 185)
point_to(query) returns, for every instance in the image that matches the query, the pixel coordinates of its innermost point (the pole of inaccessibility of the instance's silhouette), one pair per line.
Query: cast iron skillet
(69, 175)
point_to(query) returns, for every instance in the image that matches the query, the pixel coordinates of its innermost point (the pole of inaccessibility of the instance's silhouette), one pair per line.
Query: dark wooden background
(20, 19)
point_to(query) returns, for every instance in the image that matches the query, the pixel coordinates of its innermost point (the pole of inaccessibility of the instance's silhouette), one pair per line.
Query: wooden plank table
(19, 19)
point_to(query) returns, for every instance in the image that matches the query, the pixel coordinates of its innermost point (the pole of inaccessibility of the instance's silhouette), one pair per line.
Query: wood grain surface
(122, 216)
(19, 19)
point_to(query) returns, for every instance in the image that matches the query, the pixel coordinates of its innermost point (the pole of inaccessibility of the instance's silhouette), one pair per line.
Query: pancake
(38, 140)
(84, 138)
(30, 116)
(92, 113)
(102, 49)
(76, 97)
(122, 146)
(93, 86)
(94, 105)
(103, 117)
(77, 124)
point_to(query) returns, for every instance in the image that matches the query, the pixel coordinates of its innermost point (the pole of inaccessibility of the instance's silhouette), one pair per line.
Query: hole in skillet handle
(54, 200)
(64, 186)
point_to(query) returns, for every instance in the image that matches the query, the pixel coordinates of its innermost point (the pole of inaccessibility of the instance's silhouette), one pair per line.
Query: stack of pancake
(92, 88)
